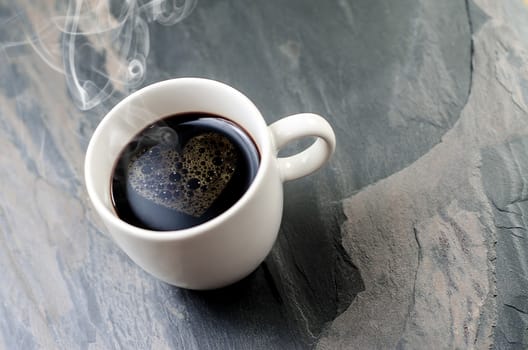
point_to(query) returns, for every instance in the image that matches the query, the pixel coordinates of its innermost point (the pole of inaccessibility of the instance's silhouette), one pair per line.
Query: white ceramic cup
(230, 246)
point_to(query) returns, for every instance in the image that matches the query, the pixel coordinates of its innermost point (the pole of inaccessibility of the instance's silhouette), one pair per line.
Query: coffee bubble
(183, 170)
(197, 166)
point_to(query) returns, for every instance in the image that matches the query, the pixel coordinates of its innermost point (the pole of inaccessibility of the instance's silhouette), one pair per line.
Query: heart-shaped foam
(189, 181)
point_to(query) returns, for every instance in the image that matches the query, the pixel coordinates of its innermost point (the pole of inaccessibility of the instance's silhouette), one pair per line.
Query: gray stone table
(414, 236)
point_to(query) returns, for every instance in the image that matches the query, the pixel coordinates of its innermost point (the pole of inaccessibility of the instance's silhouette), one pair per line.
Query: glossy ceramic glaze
(231, 245)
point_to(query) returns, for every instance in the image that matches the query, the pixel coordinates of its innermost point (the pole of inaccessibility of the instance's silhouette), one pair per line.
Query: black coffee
(182, 171)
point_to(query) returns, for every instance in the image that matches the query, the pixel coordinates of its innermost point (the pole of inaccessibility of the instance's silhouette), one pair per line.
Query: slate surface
(414, 234)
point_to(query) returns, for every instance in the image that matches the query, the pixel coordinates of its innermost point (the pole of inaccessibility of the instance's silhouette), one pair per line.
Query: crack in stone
(511, 228)
(413, 294)
(516, 309)
(504, 210)
(430, 122)
(471, 51)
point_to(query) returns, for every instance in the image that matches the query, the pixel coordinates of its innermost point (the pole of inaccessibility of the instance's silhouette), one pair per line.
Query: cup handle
(298, 126)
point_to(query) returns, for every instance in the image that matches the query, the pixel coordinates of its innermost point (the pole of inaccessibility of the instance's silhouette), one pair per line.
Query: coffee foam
(189, 180)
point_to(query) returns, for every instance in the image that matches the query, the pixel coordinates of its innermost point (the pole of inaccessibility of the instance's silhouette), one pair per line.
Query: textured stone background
(412, 237)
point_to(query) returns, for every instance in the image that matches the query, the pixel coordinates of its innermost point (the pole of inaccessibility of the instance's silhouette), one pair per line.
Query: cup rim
(109, 217)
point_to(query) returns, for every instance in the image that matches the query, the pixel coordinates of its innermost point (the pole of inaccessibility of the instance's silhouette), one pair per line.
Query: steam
(100, 46)
(163, 135)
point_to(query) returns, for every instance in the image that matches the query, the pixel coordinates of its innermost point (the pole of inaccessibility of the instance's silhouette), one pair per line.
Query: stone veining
(458, 293)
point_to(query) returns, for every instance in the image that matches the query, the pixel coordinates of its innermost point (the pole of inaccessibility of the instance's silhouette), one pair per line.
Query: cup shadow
(305, 282)
(247, 314)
